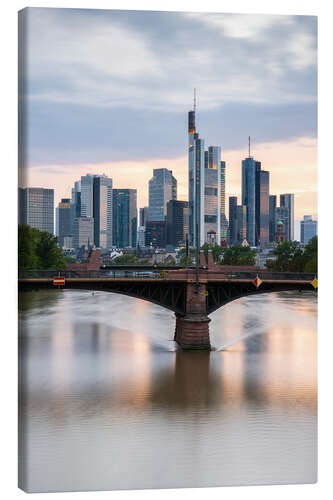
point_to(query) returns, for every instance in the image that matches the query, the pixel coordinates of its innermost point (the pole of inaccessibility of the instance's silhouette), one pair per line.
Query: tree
(290, 257)
(237, 255)
(38, 249)
(186, 261)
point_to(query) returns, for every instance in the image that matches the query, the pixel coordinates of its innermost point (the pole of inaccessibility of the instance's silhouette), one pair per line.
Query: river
(108, 401)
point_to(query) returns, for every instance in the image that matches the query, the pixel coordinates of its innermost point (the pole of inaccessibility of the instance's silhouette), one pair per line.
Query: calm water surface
(108, 401)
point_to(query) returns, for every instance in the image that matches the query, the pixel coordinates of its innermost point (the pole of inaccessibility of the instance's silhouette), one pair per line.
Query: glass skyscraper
(232, 234)
(287, 200)
(36, 208)
(262, 205)
(249, 168)
(272, 208)
(196, 183)
(162, 188)
(212, 194)
(177, 222)
(124, 218)
(87, 183)
(102, 211)
(308, 229)
(63, 220)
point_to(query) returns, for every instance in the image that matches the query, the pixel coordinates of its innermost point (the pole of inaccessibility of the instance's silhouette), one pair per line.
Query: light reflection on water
(108, 401)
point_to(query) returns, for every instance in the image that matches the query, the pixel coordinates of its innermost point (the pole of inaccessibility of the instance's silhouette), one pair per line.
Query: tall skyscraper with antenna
(196, 176)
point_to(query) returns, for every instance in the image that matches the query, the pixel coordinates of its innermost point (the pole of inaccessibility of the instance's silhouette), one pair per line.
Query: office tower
(272, 207)
(308, 229)
(156, 234)
(196, 184)
(177, 222)
(75, 203)
(162, 188)
(224, 221)
(241, 233)
(287, 200)
(282, 216)
(125, 217)
(249, 168)
(36, 208)
(63, 220)
(232, 233)
(212, 195)
(102, 211)
(83, 232)
(262, 207)
(143, 216)
(87, 184)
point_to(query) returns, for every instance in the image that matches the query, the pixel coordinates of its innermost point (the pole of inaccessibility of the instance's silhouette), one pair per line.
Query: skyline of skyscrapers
(116, 222)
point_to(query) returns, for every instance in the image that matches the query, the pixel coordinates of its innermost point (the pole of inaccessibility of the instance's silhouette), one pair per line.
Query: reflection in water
(108, 401)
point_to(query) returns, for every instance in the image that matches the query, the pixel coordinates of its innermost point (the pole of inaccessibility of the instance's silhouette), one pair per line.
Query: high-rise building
(272, 208)
(249, 168)
(212, 194)
(232, 233)
(287, 200)
(196, 183)
(308, 229)
(241, 233)
(75, 203)
(255, 196)
(262, 206)
(224, 221)
(177, 222)
(36, 208)
(156, 232)
(282, 216)
(63, 220)
(143, 216)
(83, 232)
(87, 195)
(102, 211)
(125, 217)
(162, 188)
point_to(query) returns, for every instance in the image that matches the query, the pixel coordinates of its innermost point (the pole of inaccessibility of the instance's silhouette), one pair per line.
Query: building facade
(83, 232)
(87, 193)
(162, 188)
(156, 233)
(212, 194)
(272, 208)
(102, 211)
(144, 213)
(287, 200)
(124, 227)
(196, 183)
(63, 220)
(308, 229)
(36, 208)
(262, 206)
(249, 168)
(232, 233)
(177, 223)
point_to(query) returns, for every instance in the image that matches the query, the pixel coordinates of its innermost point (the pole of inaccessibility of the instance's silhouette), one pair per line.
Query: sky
(108, 91)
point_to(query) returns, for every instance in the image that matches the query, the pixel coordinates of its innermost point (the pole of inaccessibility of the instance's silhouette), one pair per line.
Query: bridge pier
(192, 329)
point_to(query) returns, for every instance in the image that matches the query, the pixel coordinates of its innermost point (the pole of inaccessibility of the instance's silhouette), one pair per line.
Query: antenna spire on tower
(194, 100)
(249, 146)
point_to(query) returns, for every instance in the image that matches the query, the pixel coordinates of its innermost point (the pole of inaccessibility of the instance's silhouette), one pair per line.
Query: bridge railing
(102, 273)
(268, 275)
